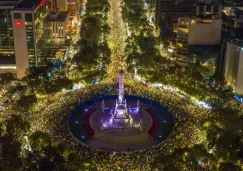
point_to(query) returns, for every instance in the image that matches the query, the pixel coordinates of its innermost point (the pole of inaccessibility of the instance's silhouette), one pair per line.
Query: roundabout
(120, 123)
(151, 125)
(82, 118)
(183, 119)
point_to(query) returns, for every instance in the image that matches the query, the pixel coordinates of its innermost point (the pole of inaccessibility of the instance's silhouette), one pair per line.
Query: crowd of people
(51, 114)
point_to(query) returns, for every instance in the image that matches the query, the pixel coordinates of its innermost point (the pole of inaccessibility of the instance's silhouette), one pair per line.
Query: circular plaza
(151, 124)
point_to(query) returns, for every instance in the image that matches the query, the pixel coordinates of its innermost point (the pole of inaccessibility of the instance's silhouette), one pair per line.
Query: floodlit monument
(121, 113)
(120, 116)
(120, 122)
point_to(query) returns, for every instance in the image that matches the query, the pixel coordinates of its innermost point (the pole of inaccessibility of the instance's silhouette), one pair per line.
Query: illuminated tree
(39, 141)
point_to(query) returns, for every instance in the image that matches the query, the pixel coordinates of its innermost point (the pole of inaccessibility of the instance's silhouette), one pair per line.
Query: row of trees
(141, 47)
(94, 54)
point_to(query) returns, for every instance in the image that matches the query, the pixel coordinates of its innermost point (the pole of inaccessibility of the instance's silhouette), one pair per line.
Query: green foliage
(227, 166)
(6, 78)
(17, 126)
(94, 53)
(39, 141)
(10, 153)
(43, 80)
(26, 101)
(134, 15)
(195, 158)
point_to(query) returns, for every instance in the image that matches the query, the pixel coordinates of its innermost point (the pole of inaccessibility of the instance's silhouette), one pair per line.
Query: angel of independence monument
(121, 113)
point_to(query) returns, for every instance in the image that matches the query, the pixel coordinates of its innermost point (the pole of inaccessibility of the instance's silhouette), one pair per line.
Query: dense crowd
(50, 115)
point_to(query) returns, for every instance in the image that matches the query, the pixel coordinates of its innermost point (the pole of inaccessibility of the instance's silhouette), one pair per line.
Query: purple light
(76, 122)
(83, 137)
(86, 110)
(164, 121)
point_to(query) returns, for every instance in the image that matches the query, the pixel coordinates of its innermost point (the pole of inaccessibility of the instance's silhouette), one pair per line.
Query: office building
(209, 7)
(57, 25)
(57, 30)
(233, 66)
(196, 31)
(232, 29)
(30, 28)
(7, 54)
(28, 20)
(168, 11)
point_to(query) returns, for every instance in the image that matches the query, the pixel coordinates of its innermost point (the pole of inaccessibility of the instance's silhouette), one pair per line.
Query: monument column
(121, 87)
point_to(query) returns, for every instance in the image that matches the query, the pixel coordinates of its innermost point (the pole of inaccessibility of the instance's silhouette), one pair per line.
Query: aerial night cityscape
(121, 85)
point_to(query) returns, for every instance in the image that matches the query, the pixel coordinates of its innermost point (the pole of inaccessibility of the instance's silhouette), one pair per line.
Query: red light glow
(41, 3)
(18, 24)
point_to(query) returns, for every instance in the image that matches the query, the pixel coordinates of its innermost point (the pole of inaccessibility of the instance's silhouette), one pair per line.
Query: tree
(10, 154)
(39, 141)
(26, 101)
(227, 166)
(63, 149)
(180, 159)
(6, 78)
(17, 127)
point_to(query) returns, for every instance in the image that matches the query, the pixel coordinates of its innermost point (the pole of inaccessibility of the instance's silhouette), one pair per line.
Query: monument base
(120, 123)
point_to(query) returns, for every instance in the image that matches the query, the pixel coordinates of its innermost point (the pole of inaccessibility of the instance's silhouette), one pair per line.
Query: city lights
(121, 85)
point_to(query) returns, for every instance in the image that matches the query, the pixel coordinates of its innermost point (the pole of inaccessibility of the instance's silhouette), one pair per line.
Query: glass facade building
(28, 19)
(6, 33)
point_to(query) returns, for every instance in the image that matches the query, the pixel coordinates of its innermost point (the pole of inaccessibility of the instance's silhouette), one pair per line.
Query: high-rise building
(168, 11)
(6, 32)
(7, 54)
(29, 28)
(57, 25)
(232, 29)
(196, 31)
(233, 67)
(206, 7)
(57, 30)
(28, 20)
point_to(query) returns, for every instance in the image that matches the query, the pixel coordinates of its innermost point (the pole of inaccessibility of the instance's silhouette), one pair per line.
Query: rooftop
(61, 16)
(5, 3)
(30, 4)
(237, 42)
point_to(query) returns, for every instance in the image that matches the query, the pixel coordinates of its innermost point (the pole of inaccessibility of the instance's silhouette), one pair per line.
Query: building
(232, 29)
(7, 54)
(168, 11)
(196, 31)
(62, 5)
(28, 20)
(29, 30)
(209, 7)
(57, 25)
(73, 8)
(233, 66)
(56, 31)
